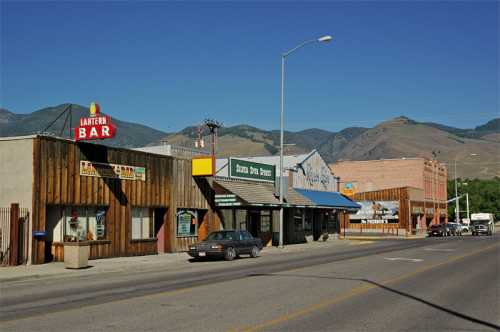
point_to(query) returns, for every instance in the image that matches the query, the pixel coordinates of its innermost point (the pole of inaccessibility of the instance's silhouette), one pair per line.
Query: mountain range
(477, 150)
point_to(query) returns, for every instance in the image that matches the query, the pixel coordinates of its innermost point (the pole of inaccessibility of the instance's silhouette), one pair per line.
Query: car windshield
(217, 236)
(481, 222)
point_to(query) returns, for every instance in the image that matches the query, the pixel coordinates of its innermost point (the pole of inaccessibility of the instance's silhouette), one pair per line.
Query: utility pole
(467, 201)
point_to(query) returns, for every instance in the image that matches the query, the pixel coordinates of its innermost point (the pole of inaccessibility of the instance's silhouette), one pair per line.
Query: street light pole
(457, 204)
(326, 38)
(457, 208)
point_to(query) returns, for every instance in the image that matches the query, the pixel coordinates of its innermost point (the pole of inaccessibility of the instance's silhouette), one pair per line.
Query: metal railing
(21, 242)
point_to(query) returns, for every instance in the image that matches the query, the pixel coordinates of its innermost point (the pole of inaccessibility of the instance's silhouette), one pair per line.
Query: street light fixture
(323, 39)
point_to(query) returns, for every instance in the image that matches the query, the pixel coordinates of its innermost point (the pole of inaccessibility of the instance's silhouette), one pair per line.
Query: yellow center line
(353, 292)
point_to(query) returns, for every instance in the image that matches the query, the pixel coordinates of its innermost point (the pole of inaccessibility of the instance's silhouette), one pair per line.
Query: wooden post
(14, 234)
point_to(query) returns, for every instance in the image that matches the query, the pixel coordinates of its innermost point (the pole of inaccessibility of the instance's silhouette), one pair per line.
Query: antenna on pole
(213, 126)
(68, 115)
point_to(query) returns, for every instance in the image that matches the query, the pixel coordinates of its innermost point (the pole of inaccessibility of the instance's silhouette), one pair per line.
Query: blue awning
(329, 199)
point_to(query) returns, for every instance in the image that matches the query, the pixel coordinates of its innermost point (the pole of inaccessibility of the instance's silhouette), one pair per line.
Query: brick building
(372, 175)
(428, 176)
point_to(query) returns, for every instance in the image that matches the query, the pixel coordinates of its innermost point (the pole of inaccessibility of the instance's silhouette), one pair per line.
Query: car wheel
(255, 252)
(229, 254)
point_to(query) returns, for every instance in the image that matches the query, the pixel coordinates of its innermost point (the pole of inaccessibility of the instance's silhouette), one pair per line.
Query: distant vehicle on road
(454, 229)
(438, 230)
(465, 228)
(227, 245)
(482, 223)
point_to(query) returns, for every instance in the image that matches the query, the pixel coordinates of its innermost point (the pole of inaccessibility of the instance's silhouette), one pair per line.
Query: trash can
(76, 254)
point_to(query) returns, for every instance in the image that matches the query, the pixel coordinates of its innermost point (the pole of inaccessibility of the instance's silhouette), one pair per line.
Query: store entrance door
(254, 223)
(159, 222)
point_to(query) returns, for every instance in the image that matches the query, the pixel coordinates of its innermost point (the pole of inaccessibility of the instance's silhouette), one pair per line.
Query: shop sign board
(248, 170)
(348, 189)
(417, 210)
(226, 200)
(184, 220)
(115, 171)
(202, 166)
(96, 126)
(377, 212)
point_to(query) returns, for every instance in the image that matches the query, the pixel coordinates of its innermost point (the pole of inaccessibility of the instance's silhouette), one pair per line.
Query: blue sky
(172, 64)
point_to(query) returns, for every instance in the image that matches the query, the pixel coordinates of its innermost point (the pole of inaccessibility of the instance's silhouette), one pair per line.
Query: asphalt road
(435, 284)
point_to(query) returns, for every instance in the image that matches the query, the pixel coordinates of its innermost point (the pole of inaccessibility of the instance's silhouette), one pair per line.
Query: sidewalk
(136, 263)
(384, 237)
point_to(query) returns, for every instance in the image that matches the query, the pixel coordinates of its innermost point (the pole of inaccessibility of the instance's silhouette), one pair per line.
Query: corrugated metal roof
(330, 199)
(260, 193)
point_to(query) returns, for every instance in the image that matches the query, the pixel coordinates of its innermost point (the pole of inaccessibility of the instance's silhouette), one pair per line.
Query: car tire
(229, 254)
(255, 252)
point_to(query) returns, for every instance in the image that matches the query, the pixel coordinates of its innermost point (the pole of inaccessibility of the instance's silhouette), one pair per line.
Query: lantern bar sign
(96, 126)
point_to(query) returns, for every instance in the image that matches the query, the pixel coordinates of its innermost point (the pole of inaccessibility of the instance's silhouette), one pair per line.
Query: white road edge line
(403, 259)
(439, 249)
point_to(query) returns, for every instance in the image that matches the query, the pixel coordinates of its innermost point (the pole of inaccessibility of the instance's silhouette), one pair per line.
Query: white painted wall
(314, 174)
(16, 175)
(16, 172)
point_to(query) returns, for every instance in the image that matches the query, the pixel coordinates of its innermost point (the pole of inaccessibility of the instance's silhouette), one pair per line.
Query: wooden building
(397, 211)
(124, 202)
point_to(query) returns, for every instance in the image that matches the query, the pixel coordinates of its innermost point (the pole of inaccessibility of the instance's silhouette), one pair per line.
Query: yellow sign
(348, 189)
(95, 110)
(203, 166)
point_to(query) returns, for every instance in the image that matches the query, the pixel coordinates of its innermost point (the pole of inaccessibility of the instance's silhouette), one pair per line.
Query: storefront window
(187, 223)
(332, 222)
(297, 218)
(308, 225)
(142, 227)
(241, 219)
(265, 221)
(81, 223)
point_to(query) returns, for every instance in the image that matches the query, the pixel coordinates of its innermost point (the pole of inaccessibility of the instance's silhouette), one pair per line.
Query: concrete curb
(382, 238)
(123, 264)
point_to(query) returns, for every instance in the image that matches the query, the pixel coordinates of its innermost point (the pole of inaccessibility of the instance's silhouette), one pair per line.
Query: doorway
(159, 224)
(254, 223)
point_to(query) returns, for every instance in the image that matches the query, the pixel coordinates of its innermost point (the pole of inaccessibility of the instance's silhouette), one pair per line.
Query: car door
(248, 242)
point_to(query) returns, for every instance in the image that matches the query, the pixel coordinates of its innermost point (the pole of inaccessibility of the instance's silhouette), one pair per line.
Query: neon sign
(96, 126)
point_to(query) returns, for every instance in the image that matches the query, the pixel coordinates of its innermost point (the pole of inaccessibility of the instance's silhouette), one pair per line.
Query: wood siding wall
(191, 193)
(168, 184)
(394, 194)
(406, 203)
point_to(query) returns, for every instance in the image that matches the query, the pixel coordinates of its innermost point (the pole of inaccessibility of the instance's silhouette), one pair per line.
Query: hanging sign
(96, 126)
